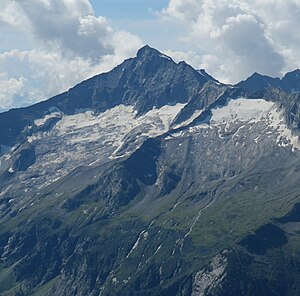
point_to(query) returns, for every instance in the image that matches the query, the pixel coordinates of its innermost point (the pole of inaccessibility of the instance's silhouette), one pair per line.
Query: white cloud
(69, 25)
(46, 73)
(238, 37)
(11, 88)
(68, 43)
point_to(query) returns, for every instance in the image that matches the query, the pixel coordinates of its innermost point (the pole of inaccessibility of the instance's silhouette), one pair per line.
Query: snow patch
(5, 157)
(202, 126)
(277, 122)
(41, 121)
(88, 138)
(175, 135)
(206, 280)
(200, 72)
(242, 109)
(11, 170)
(114, 124)
(254, 111)
(5, 191)
(165, 57)
(143, 235)
(196, 114)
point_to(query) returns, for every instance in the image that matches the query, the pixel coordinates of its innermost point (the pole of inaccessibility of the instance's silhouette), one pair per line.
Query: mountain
(151, 79)
(152, 179)
(285, 92)
(257, 82)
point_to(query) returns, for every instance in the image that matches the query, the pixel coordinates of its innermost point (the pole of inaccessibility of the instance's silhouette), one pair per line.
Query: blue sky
(50, 45)
(128, 9)
(139, 17)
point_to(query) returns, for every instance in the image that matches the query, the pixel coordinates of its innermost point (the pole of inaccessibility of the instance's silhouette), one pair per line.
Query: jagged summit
(147, 51)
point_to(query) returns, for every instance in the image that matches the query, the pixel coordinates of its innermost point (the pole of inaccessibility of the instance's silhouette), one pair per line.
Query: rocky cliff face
(152, 179)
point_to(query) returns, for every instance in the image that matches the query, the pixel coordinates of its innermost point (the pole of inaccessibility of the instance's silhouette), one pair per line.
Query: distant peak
(256, 74)
(149, 52)
(146, 51)
(261, 77)
(295, 73)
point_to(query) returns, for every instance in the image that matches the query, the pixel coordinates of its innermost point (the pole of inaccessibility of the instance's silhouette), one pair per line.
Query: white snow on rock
(285, 136)
(206, 280)
(88, 139)
(41, 121)
(242, 109)
(5, 157)
(112, 126)
(142, 236)
(238, 114)
(255, 111)
(196, 114)
(165, 57)
(11, 170)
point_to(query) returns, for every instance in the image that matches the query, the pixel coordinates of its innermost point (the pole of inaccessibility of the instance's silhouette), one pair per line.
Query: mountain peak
(256, 74)
(295, 74)
(258, 82)
(147, 52)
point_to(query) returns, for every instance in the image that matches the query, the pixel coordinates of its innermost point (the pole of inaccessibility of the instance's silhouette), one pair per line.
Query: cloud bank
(234, 38)
(66, 44)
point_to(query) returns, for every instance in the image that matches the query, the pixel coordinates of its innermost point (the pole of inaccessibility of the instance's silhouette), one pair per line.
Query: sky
(48, 46)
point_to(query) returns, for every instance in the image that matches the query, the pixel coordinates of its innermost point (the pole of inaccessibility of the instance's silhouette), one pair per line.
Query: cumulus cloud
(41, 73)
(68, 43)
(10, 88)
(69, 25)
(234, 38)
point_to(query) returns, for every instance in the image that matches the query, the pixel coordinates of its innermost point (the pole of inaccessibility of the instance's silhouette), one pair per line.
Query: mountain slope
(152, 179)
